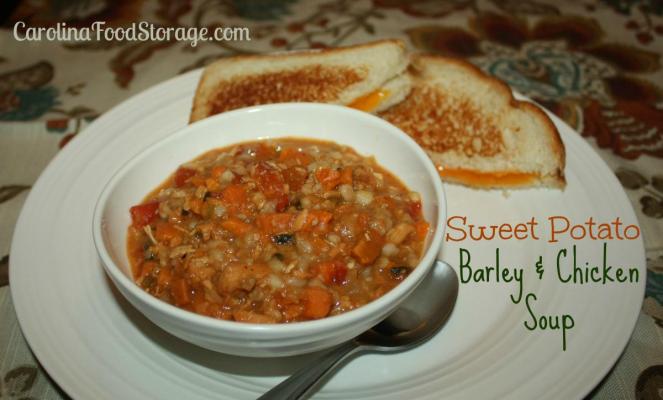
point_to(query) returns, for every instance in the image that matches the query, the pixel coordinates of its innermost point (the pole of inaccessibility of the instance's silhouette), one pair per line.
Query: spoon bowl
(422, 314)
(415, 321)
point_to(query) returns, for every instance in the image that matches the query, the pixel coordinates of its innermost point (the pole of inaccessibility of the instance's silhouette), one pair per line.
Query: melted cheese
(370, 101)
(488, 179)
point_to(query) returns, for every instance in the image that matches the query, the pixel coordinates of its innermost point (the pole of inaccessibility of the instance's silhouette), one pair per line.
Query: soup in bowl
(272, 230)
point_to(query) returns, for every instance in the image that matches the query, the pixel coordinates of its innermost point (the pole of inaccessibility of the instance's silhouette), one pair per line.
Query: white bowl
(366, 133)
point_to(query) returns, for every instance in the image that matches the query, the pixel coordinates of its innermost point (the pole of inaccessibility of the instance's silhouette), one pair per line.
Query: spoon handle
(299, 383)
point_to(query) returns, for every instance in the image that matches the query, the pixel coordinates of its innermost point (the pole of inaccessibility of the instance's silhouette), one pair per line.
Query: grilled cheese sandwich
(475, 131)
(369, 77)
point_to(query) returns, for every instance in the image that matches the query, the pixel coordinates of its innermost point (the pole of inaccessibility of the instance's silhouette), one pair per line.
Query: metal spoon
(414, 322)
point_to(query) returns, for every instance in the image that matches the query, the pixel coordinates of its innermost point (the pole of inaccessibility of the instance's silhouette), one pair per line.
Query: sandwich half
(370, 77)
(474, 130)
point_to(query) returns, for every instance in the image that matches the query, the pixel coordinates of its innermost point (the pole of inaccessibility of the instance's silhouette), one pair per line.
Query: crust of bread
(421, 64)
(325, 83)
(313, 52)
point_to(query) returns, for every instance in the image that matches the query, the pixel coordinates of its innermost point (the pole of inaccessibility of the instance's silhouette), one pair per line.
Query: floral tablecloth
(596, 64)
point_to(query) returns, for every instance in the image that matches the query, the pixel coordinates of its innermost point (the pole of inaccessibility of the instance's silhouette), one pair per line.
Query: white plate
(96, 346)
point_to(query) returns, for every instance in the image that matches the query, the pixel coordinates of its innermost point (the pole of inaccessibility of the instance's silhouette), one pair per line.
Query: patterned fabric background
(596, 64)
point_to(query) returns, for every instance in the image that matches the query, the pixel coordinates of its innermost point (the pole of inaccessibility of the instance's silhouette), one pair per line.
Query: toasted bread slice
(474, 130)
(353, 75)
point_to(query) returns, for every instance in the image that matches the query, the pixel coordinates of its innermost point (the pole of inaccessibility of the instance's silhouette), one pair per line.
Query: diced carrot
(340, 273)
(182, 175)
(287, 154)
(333, 272)
(264, 152)
(143, 214)
(181, 292)
(336, 250)
(369, 247)
(167, 233)
(234, 195)
(328, 178)
(294, 157)
(295, 177)
(217, 171)
(214, 310)
(200, 306)
(270, 181)
(302, 158)
(196, 205)
(274, 222)
(323, 217)
(346, 176)
(362, 221)
(236, 226)
(282, 203)
(282, 299)
(292, 311)
(197, 180)
(316, 219)
(212, 184)
(421, 229)
(317, 302)
(414, 209)
(198, 300)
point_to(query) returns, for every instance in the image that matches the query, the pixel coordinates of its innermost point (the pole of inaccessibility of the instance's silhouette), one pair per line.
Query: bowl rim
(301, 327)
